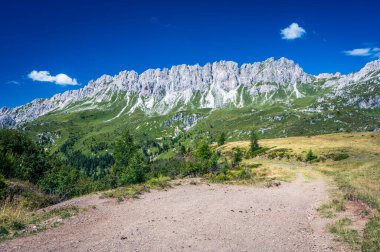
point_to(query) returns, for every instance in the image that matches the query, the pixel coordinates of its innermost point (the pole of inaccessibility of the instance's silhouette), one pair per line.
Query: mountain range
(274, 96)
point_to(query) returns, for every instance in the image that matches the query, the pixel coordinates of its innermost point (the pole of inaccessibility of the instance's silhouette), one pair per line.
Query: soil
(201, 217)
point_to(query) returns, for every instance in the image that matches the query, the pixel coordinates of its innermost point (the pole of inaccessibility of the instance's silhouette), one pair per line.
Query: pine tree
(254, 142)
(134, 172)
(203, 151)
(310, 156)
(222, 139)
(128, 166)
(237, 156)
(125, 149)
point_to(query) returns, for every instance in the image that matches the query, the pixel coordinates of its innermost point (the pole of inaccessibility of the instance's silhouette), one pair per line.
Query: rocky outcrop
(185, 121)
(371, 71)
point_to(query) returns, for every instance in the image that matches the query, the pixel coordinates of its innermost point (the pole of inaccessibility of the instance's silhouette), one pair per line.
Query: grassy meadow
(349, 161)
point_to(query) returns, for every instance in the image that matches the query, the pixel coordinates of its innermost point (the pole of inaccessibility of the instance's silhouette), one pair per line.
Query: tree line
(76, 174)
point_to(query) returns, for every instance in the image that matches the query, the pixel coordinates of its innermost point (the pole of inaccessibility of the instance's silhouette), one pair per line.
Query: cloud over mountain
(59, 79)
(364, 52)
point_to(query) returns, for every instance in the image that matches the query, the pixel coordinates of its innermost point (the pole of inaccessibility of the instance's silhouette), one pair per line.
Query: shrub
(237, 156)
(60, 181)
(244, 174)
(3, 187)
(161, 182)
(222, 139)
(17, 225)
(203, 151)
(129, 167)
(310, 156)
(171, 167)
(254, 142)
(221, 177)
(134, 172)
(28, 195)
(190, 169)
(125, 149)
(224, 168)
(3, 231)
(20, 157)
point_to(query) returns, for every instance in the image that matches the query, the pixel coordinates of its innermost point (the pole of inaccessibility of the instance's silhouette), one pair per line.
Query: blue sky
(83, 39)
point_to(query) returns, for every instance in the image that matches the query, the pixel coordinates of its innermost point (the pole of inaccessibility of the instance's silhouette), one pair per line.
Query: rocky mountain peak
(371, 67)
(369, 72)
(163, 90)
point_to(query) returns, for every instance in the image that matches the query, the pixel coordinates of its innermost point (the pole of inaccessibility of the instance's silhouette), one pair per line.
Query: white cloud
(358, 52)
(60, 79)
(364, 52)
(293, 31)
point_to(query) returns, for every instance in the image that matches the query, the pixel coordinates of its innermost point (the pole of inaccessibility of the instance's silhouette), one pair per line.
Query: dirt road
(195, 218)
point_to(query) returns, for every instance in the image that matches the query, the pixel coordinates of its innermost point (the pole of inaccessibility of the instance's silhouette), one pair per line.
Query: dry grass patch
(133, 191)
(358, 142)
(17, 221)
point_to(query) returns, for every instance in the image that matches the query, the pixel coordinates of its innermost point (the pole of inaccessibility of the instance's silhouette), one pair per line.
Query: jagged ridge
(161, 91)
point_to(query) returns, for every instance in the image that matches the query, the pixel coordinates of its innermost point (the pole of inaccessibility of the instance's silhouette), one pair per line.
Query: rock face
(160, 91)
(371, 71)
(186, 121)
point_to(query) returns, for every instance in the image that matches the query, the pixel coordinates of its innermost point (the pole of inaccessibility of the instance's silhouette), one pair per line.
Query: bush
(60, 181)
(125, 149)
(191, 169)
(28, 195)
(129, 167)
(254, 142)
(310, 156)
(203, 152)
(3, 231)
(244, 174)
(161, 182)
(20, 157)
(134, 172)
(3, 187)
(237, 156)
(221, 139)
(224, 168)
(171, 167)
(221, 177)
